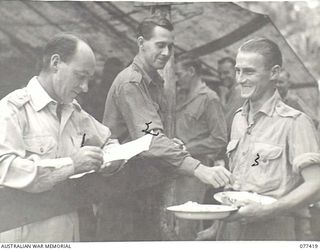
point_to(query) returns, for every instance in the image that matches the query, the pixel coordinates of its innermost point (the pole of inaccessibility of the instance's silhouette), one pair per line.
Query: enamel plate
(194, 211)
(236, 198)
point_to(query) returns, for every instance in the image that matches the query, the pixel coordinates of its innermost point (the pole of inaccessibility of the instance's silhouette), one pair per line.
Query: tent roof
(209, 30)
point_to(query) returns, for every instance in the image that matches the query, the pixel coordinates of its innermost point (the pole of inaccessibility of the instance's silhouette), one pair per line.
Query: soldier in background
(201, 125)
(229, 90)
(283, 85)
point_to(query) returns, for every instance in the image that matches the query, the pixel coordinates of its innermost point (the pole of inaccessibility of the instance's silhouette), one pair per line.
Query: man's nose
(165, 51)
(240, 78)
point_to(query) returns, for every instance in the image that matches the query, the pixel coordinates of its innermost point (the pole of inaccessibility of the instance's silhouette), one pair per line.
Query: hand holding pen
(87, 158)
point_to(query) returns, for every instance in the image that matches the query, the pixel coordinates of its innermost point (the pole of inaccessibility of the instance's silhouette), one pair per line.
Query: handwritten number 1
(147, 131)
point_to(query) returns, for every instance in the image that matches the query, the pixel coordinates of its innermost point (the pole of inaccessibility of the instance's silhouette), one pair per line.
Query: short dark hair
(265, 47)
(188, 61)
(65, 45)
(227, 59)
(146, 27)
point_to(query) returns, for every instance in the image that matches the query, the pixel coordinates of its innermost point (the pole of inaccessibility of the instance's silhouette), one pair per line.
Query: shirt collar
(40, 98)
(200, 89)
(267, 108)
(150, 78)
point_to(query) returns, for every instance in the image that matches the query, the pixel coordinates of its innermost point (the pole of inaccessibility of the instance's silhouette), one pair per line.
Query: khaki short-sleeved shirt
(268, 155)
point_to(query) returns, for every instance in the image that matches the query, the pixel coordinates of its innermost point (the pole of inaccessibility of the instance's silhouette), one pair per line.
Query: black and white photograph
(177, 122)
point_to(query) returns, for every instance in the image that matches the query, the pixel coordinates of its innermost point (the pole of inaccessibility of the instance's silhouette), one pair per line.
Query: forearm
(171, 155)
(36, 175)
(207, 146)
(305, 194)
(300, 197)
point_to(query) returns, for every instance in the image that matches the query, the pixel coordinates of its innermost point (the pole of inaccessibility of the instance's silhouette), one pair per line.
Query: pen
(83, 140)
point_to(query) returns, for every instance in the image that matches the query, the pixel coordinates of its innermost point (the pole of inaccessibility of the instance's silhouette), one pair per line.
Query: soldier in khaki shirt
(42, 129)
(135, 98)
(201, 125)
(285, 140)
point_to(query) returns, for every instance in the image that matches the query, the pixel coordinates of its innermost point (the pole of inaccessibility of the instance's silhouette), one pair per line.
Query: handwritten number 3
(256, 161)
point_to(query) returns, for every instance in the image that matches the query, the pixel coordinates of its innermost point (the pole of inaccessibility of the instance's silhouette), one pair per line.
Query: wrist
(189, 165)
(198, 169)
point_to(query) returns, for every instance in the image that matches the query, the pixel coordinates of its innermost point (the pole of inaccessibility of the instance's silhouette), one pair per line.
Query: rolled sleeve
(43, 174)
(189, 165)
(50, 172)
(304, 144)
(27, 173)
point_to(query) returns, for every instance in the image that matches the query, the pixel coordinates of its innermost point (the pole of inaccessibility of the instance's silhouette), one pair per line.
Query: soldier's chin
(247, 92)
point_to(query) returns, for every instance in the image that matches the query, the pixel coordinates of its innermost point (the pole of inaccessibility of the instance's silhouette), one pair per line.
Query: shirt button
(41, 150)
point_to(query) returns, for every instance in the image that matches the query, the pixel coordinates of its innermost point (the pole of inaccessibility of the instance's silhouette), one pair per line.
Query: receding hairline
(58, 44)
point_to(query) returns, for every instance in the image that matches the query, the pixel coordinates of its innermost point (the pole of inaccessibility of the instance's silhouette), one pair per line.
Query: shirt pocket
(195, 122)
(266, 169)
(40, 145)
(267, 153)
(77, 140)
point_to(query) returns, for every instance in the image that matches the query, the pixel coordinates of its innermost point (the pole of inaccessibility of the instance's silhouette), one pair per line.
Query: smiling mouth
(162, 60)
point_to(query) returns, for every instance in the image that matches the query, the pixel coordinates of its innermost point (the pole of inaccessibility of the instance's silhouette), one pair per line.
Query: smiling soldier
(286, 142)
(135, 99)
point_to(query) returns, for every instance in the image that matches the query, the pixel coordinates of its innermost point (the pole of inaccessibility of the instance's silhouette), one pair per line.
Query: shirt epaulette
(212, 95)
(286, 111)
(135, 76)
(19, 97)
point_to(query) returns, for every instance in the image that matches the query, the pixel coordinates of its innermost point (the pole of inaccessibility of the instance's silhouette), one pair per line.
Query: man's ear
(140, 41)
(54, 62)
(275, 72)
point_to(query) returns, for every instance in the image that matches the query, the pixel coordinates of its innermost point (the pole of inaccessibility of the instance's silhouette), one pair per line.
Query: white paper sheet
(123, 151)
(128, 150)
